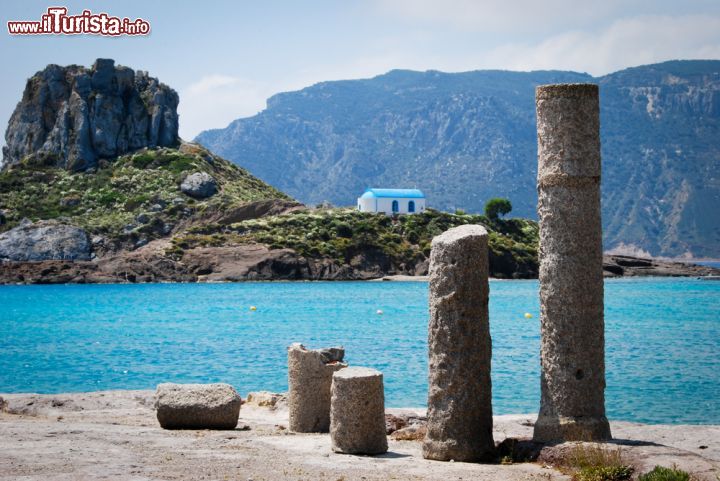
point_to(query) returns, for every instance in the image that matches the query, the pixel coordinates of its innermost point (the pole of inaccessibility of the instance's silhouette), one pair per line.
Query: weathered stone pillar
(357, 413)
(572, 357)
(309, 379)
(459, 397)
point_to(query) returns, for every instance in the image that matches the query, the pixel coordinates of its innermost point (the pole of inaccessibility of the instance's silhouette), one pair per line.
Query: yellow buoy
(253, 308)
(528, 315)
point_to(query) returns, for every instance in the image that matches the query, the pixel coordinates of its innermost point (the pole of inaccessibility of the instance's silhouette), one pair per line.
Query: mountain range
(464, 138)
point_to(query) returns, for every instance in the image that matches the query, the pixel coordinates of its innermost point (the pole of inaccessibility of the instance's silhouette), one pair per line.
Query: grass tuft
(596, 463)
(660, 473)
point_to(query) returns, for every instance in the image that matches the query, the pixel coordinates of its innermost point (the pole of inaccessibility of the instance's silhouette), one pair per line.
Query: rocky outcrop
(73, 116)
(627, 266)
(257, 209)
(252, 262)
(199, 185)
(44, 240)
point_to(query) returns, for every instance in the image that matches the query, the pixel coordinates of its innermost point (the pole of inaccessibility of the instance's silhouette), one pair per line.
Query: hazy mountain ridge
(466, 137)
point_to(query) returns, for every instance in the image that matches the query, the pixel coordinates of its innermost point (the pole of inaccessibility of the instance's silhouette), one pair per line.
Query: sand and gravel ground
(114, 435)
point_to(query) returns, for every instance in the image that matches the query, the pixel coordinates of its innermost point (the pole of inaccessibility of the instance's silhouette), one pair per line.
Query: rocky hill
(124, 203)
(466, 137)
(77, 211)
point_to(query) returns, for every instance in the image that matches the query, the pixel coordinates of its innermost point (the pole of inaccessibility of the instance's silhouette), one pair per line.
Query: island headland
(96, 186)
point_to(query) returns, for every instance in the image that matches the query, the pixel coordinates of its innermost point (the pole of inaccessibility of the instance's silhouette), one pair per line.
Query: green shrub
(181, 164)
(343, 230)
(108, 198)
(141, 161)
(136, 201)
(497, 207)
(660, 473)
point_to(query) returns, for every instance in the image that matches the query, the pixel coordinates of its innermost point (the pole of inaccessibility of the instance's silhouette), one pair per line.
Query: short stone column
(357, 412)
(309, 379)
(572, 405)
(459, 398)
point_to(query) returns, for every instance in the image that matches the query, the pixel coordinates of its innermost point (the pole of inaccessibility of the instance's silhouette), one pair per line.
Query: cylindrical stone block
(459, 397)
(309, 379)
(357, 412)
(572, 405)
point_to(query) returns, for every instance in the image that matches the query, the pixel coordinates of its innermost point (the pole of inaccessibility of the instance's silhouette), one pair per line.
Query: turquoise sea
(663, 339)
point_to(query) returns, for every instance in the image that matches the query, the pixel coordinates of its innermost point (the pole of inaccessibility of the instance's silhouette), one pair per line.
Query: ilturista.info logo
(56, 21)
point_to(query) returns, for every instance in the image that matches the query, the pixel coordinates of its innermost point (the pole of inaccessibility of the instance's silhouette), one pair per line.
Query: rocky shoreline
(628, 266)
(115, 434)
(257, 262)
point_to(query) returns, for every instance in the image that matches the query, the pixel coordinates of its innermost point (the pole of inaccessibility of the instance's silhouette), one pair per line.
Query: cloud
(591, 36)
(213, 101)
(211, 82)
(503, 16)
(625, 42)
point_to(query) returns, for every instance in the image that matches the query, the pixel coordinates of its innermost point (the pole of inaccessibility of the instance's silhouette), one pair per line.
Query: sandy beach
(115, 435)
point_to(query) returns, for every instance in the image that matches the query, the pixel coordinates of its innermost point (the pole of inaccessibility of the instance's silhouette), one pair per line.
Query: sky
(225, 58)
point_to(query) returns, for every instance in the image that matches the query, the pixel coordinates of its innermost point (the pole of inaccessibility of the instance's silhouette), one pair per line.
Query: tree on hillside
(496, 207)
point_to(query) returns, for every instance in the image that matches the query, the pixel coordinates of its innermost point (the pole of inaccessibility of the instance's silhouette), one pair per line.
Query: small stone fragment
(264, 398)
(415, 432)
(394, 423)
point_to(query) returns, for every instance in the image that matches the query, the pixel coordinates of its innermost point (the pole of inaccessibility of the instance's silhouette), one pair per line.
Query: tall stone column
(572, 405)
(459, 398)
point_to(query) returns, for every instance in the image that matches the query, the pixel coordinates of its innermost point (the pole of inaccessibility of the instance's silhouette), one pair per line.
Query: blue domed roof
(396, 193)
